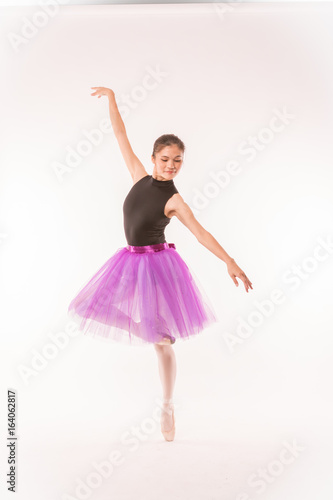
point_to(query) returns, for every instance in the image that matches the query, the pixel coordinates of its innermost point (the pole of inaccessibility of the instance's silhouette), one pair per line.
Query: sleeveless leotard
(143, 210)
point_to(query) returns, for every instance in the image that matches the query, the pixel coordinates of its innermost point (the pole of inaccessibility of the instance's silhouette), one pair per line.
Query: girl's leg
(167, 370)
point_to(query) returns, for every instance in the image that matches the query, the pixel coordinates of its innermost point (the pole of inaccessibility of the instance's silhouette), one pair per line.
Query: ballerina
(145, 292)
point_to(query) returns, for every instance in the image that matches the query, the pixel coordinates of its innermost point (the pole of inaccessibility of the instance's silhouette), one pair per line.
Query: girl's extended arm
(183, 212)
(133, 163)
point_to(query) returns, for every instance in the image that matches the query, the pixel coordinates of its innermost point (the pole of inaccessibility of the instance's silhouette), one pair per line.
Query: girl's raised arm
(133, 163)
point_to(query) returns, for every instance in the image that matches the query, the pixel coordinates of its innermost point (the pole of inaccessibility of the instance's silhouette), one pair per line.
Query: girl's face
(168, 162)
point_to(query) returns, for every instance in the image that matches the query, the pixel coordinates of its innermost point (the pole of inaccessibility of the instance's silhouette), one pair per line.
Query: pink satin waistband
(150, 248)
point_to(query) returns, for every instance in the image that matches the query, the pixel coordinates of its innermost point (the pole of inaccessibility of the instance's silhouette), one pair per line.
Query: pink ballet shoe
(169, 435)
(167, 340)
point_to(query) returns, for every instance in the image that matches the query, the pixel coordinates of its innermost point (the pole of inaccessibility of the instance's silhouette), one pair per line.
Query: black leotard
(143, 209)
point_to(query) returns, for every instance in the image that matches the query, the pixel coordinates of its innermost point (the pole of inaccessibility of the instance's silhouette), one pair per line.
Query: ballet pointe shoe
(169, 435)
(167, 340)
(161, 329)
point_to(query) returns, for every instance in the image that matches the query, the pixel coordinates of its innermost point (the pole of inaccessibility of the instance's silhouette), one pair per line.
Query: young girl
(145, 292)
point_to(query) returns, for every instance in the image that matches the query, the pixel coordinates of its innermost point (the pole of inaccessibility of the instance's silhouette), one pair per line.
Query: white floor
(212, 458)
(256, 424)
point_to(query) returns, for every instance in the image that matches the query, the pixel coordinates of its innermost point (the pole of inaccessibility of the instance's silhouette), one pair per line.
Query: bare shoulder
(176, 206)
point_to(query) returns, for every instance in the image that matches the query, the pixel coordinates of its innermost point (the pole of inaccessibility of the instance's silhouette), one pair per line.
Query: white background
(227, 70)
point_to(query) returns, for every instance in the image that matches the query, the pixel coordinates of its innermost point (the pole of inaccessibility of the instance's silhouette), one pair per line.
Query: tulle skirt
(141, 295)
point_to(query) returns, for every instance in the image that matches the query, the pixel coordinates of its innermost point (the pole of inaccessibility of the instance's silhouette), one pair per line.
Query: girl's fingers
(246, 281)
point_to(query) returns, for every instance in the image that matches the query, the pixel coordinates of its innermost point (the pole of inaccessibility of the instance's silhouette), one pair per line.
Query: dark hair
(167, 140)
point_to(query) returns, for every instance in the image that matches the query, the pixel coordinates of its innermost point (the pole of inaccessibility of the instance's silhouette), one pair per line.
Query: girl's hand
(235, 272)
(102, 91)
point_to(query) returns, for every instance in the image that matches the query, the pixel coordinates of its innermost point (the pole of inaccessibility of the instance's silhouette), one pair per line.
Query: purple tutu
(141, 295)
